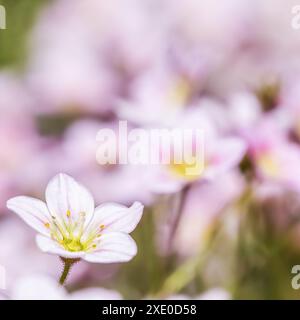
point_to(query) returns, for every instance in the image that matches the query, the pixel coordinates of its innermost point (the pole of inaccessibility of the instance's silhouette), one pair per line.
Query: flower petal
(116, 217)
(50, 246)
(64, 195)
(161, 181)
(113, 247)
(214, 294)
(227, 154)
(38, 287)
(33, 211)
(95, 294)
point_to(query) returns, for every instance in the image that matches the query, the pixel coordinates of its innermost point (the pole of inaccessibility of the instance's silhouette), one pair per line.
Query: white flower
(71, 227)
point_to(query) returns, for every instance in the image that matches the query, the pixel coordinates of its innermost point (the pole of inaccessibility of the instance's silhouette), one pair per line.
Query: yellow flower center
(71, 235)
(269, 165)
(179, 93)
(73, 244)
(189, 171)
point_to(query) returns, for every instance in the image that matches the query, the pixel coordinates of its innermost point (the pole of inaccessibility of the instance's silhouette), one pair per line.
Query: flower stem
(178, 215)
(185, 273)
(68, 263)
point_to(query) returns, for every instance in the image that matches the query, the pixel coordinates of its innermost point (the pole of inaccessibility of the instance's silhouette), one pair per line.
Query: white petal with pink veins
(113, 247)
(119, 218)
(64, 195)
(33, 211)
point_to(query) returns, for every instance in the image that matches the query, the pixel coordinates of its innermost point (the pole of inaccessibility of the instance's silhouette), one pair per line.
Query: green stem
(186, 272)
(68, 263)
(178, 215)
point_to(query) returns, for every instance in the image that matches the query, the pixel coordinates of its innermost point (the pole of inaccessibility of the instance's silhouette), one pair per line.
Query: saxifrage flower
(71, 227)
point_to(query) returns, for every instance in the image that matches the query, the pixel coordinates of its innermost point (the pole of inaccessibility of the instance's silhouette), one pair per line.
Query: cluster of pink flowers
(218, 66)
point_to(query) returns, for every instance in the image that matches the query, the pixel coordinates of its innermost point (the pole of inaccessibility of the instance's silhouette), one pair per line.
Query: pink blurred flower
(276, 158)
(65, 71)
(21, 251)
(204, 204)
(220, 152)
(220, 156)
(209, 23)
(244, 111)
(78, 157)
(80, 59)
(158, 97)
(18, 137)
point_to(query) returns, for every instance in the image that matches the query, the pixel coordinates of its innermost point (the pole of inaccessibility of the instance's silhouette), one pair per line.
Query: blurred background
(71, 67)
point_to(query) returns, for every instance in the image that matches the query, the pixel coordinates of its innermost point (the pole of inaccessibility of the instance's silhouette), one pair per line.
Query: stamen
(59, 227)
(91, 246)
(70, 234)
(47, 225)
(80, 224)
